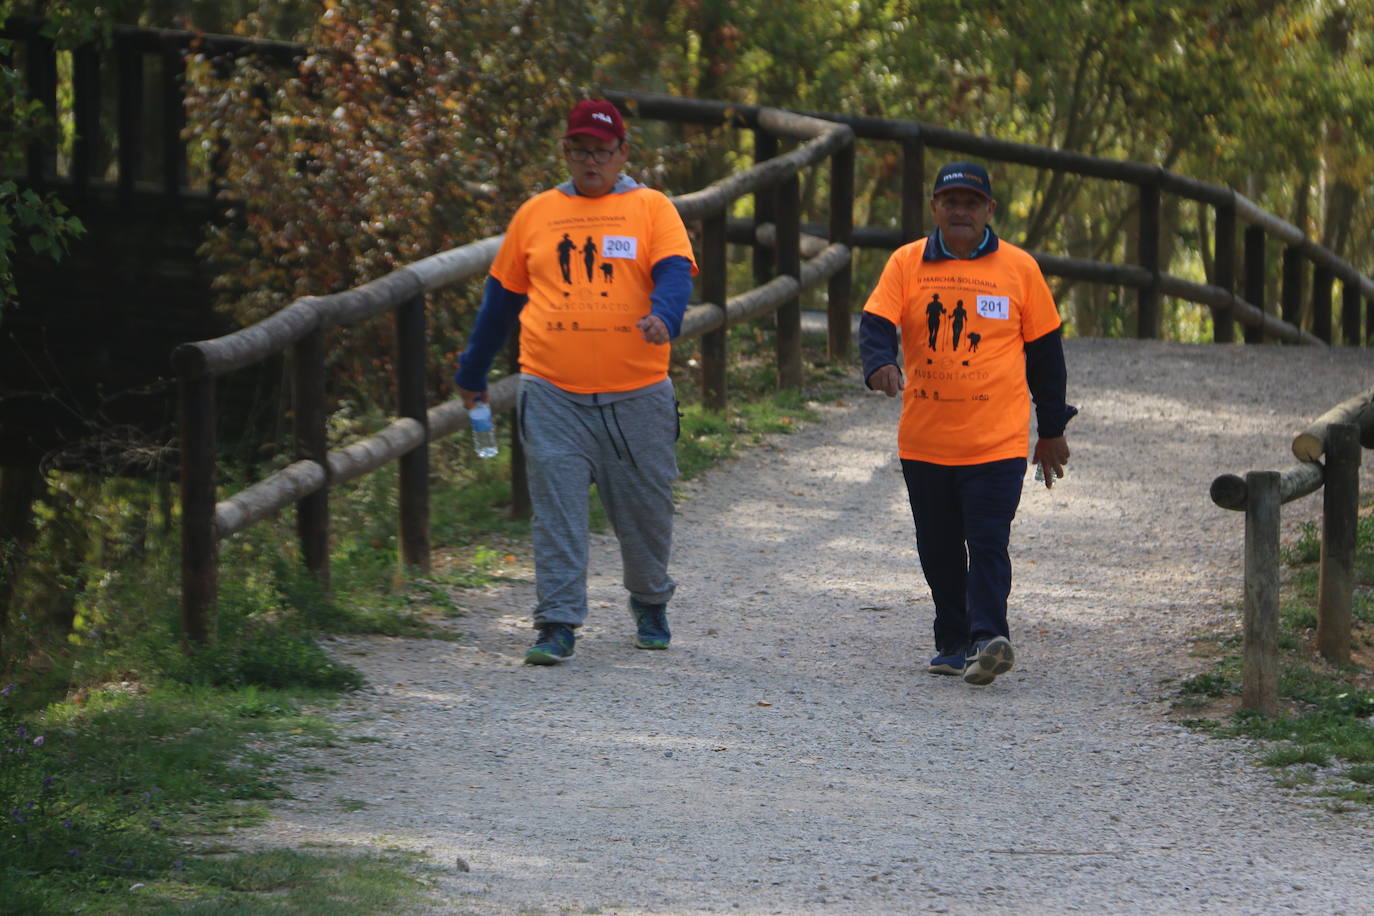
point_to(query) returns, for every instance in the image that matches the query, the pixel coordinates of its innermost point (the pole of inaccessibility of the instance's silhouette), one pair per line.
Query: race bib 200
(619, 246)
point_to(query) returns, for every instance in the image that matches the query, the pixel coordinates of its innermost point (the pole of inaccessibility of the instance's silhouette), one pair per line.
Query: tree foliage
(407, 130)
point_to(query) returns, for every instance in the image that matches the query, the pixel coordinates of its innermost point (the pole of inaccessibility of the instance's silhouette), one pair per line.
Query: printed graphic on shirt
(586, 269)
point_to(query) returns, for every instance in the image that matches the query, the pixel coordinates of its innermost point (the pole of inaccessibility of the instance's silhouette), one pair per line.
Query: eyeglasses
(961, 202)
(582, 154)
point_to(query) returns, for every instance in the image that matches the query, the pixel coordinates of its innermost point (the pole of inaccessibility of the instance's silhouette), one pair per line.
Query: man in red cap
(980, 335)
(596, 404)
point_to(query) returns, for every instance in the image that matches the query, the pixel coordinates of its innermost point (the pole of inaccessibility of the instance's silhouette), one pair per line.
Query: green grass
(121, 786)
(1324, 740)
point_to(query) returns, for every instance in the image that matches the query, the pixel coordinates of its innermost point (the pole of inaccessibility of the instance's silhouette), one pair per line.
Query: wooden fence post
(913, 189)
(765, 148)
(414, 464)
(1290, 292)
(1260, 663)
(41, 79)
(714, 291)
(1340, 512)
(309, 418)
(87, 143)
(199, 545)
(173, 119)
(1147, 320)
(789, 265)
(1350, 313)
(129, 64)
(1223, 321)
(1321, 302)
(839, 323)
(1255, 269)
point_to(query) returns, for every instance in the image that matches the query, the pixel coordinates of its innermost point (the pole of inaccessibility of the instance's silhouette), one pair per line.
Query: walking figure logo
(565, 250)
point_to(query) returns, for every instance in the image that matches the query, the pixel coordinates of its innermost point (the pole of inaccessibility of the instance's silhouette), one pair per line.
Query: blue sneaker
(555, 644)
(987, 659)
(651, 623)
(948, 663)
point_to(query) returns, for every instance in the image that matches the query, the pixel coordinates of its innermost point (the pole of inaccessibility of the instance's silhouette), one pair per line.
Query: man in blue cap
(981, 339)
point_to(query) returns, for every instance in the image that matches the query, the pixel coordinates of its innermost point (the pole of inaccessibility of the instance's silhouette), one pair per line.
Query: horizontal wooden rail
(1090, 166)
(1309, 444)
(1229, 491)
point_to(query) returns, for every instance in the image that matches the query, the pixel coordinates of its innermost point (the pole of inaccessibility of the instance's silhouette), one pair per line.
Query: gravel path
(790, 755)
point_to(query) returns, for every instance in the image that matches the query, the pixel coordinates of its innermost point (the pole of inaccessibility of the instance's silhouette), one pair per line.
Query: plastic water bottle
(483, 431)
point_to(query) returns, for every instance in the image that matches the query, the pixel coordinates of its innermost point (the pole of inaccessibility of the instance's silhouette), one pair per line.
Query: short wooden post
(1321, 302)
(713, 290)
(1223, 321)
(1340, 511)
(1260, 663)
(1148, 316)
(414, 464)
(789, 265)
(1255, 270)
(1290, 292)
(913, 189)
(199, 545)
(1350, 313)
(309, 418)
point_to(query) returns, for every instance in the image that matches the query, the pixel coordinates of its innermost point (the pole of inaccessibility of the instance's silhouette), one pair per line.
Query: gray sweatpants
(625, 447)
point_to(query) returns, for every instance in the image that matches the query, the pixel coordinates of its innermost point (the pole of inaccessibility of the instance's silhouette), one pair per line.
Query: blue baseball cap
(967, 175)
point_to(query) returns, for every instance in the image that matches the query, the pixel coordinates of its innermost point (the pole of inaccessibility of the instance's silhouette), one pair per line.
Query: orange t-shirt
(586, 265)
(964, 326)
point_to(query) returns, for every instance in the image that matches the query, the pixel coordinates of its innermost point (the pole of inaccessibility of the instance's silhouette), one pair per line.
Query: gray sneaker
(555, 644)
(987, 659)
(651, 624)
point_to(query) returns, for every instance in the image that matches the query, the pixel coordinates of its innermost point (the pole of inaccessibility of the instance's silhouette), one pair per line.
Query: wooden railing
(1237, 293)
(1338, 434)
(144, 151)
(300, 327)
(148, 134)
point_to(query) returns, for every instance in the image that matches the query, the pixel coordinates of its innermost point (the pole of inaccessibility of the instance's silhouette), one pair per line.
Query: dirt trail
(790, 755)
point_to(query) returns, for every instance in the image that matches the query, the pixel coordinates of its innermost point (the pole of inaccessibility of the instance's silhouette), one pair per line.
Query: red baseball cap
(597, 118)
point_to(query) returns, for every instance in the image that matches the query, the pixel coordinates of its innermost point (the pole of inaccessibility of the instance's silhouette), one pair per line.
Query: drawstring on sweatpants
(601, 411)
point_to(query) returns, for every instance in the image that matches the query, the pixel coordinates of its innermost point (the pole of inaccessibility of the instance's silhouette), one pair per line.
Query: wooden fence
(139, 76)
(1237, 293)
(1339, 434)
(147, 133)
(300, 327)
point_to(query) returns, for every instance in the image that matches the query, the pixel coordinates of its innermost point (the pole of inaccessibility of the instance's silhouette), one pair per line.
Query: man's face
(961, 216)
(593, 178)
